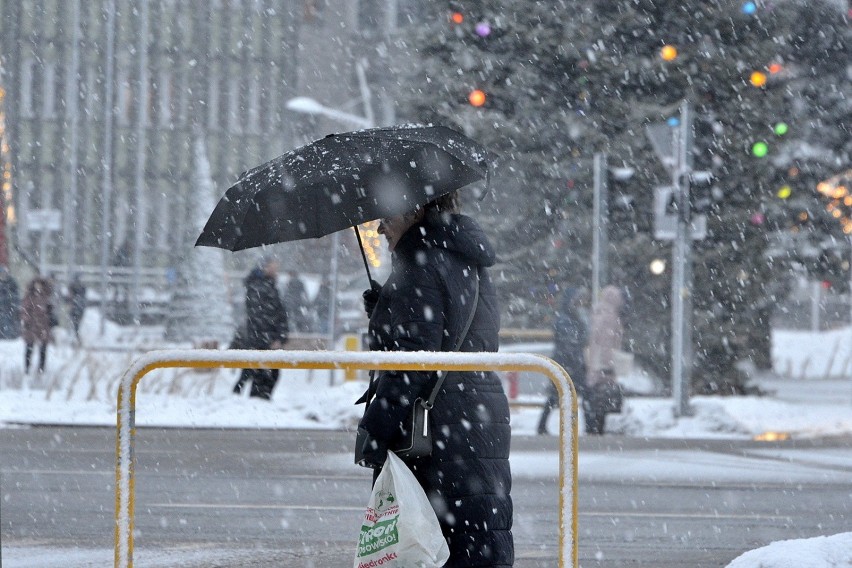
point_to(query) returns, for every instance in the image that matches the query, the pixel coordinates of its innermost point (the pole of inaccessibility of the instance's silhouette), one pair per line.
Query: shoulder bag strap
(462, 336)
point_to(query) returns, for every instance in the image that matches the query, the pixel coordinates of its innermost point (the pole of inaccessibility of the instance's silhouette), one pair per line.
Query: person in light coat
(606, 334)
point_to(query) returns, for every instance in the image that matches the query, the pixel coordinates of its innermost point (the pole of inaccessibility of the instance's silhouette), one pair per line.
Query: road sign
(665, 217)
(44, 220)
(661, 136)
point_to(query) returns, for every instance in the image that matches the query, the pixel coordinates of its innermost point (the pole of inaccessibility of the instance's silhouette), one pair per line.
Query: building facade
(101, 100)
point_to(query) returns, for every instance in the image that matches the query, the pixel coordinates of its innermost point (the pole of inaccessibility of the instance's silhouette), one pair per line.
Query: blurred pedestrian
(266, 325)
(37, 320)
(322, 306)
(440, 297)
(605, 339)
(570, 336)
(76, 300)
(10, 322)
(296, 300)
(121, 261)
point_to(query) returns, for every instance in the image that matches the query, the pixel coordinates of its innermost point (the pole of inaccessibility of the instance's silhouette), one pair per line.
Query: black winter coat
(424, 306)
(266, 318)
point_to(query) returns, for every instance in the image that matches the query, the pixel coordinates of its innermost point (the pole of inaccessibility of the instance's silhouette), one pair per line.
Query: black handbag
(418, 440)
(609, 396)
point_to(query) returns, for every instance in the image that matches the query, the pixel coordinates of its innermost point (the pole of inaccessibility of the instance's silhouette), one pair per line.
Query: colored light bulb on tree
(758, 79)
(457, 17)
(668, 53)
(749, 8)
(476, 97)
(785, 192)
(775, 68)
(483, 29)
(760, 149)
(781, 128)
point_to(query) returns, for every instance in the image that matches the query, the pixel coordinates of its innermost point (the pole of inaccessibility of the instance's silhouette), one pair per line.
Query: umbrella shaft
(363, 254)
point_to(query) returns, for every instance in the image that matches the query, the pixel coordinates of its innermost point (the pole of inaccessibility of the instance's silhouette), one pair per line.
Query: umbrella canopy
(341, 181)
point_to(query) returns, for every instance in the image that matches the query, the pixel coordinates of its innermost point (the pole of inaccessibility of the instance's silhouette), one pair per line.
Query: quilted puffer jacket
(424, 306)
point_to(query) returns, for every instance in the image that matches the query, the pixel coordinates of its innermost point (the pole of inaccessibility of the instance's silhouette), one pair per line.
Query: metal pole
(73, 102)
(681, 268)
(141, 217)
(106, 219)
(816, 300)
(42, 252)
(600, 220)
(332, 303)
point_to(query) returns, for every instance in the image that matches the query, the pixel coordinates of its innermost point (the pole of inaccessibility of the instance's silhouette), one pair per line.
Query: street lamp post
(307, 105)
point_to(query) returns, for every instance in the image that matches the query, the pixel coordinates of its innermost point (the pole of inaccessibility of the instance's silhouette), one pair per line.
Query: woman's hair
(444, 206)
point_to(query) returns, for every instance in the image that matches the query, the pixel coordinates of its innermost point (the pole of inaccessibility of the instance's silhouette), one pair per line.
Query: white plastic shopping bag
(400, 529)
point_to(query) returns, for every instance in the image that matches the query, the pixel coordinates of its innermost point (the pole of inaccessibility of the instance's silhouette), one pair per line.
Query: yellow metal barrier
(351, 343)
(348, 361)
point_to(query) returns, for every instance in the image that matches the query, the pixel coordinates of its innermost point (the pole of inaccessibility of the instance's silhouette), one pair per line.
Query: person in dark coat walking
(10, 322)
(424, 306)
(37, 320)
(76, 300)
(266, 326)
(296, 300)
(570, 335)
(322, 306)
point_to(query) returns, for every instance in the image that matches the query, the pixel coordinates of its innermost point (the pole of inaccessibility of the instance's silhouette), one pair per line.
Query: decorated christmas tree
(548, 84)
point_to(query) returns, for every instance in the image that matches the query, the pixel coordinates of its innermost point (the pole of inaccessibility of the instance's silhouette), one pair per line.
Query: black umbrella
(342, 181)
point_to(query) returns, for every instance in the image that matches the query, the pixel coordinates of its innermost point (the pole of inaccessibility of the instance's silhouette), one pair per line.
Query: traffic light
(704, 191)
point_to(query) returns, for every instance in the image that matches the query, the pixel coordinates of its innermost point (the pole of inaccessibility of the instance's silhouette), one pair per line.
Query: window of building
(162, 208)
(164, 97)
(369, 15)
(48, 92)
(254, 104)
(234, 111)
(26, 100)
(213, 121)
(124, 97)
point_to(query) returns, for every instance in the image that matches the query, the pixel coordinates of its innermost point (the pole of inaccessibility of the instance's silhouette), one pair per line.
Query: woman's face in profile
(394, 227)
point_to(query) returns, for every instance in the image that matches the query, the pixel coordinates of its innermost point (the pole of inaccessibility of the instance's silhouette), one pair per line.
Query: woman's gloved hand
(371, 296)
(373, 452)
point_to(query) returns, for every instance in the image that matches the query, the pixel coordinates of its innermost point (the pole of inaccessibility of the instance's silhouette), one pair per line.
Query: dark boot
(264, 383)
(245, 376)
(542, 423)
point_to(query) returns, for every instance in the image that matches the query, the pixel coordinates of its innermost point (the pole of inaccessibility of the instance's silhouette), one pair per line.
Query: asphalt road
(221, 498)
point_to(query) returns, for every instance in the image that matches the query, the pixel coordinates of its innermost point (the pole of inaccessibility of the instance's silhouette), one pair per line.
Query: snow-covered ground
(810, 395)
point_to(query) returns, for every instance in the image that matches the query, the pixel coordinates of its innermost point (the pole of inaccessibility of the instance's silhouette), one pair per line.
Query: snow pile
(819, 552)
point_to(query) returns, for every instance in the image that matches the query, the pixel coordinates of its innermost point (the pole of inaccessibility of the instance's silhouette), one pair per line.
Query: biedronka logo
(378, 531)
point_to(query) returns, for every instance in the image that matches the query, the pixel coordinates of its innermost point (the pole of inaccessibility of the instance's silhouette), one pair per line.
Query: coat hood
(568, 296)
(256, 273)
(612, 300)
(456, 233)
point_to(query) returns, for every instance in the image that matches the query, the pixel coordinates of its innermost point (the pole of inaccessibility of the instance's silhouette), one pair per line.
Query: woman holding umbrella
(439, 257)
(439, 297)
